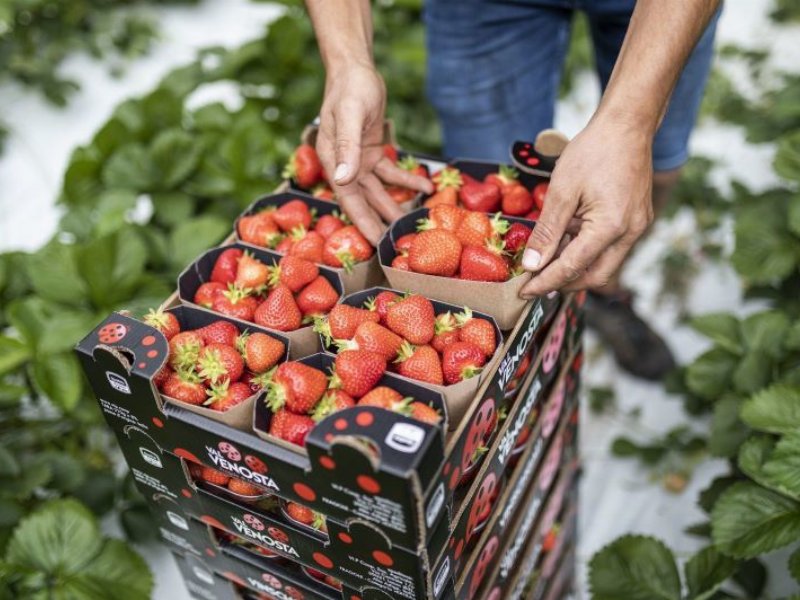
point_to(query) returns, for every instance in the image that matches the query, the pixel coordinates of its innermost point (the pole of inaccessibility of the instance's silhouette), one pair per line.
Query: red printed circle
(305, 492)
(142, 365)
(365, 419)
(368, 484)
(148, 340)
(158, 422)
(327, 462)
(152, 353)
(340, 424)
(345, 538)
(210, 552)
(382, 558)
(322, 560)
(186, 493)
(112, 333)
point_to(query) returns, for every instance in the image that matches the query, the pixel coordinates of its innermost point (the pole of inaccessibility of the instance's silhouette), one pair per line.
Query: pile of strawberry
(305, 169)
(500, 191)
(455, 242)
(305, 516)
(300, 395)
(403, 334)
(283, 296)
(220, 479)
(295, 230)
(217, 366)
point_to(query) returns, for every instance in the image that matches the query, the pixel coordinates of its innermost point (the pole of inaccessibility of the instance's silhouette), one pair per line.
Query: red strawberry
(297, 387)
(205, 294)
(323, 191)
(294, 272)
(251, 273)
(504, 179)
(385, 397)
(292, 215)
(390, 152)
(298, 512)
(420, 363)
(516, 237)
(357, 371)
(225, 267)
(219, 332)
(517, 200)
(447, 182)
(243, 488)
(381, 304)
(279, 311)
(413, 166)
(218, 361)
(539, 193)
(318, 297)
(400, 262)
(478, 263)
(261, 352)
(476, 331)
(475, 228)
(425, 413)
(412, 318)
(445, 197)
(259, 229)
(445, 331)
(160, 378)
(443, 217)
(304, 167)
(308, 245)
(345, 248)
(400, 194)
(184, 350)
(403, 244)
(185, 387)
(480, 196)
(343, 320)
(435, 252)
(226, 395)
(333, 582)
(235, 302)
(213, 476)
(461, 360)
(166, 322)
(285, 245)
(375, 338)
(290, 427)
(333, 401)
(328, 224)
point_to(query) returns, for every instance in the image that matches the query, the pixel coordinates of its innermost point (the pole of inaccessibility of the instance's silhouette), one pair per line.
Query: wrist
(639, 127)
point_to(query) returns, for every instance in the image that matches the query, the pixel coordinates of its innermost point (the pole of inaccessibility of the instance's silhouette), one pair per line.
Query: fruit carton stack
(306, 424)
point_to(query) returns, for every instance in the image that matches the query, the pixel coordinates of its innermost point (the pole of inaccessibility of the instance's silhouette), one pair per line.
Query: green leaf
(193, 237)
(116, 573)
(776, 409)
(10, 513)
(59, 377)
(776, 466)
(82, 178)
(113, 207)
(787, 158)
(9, 467)
(765, 332)
(794, 216)
(112, 267)
(751, 577)
(634, 568)
(727, 431)
(98, 491)
(175, 155)
(13, 353)
(64, 329)
(53, 272)
(794, 565)
(130, 168)
(708, 497)
(793, 337)
(137, 522)
(67, 472)
(753, 373)
(749, 520)
(172, 208)
(706, 571)
(212, 117)
(11, 394)
(765, 250)
(721, 328)
(710, 374)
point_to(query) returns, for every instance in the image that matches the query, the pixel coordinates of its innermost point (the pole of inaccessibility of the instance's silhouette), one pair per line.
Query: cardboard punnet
(478, 169)
(457, 396)
(363, 275)
(303, 341)
(500, 300)
(546, 567)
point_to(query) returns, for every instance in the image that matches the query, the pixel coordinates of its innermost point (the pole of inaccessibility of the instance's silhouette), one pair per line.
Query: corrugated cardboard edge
(239, 417)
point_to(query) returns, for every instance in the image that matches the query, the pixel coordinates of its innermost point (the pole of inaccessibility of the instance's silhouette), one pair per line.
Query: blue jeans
(494, 68)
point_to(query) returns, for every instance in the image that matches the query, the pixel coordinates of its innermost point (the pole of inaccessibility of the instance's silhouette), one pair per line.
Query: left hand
(603, 183)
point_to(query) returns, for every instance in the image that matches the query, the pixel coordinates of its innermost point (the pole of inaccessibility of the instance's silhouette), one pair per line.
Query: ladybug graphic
(272, 581)
(294, 593)
(482, 503)
(551, 466)
(553, 411)
(553, 347)
(230, 451)
(481, 427)
(254, 522)
(485, 558)
(111, 333)
(255, 464)
(278, 534)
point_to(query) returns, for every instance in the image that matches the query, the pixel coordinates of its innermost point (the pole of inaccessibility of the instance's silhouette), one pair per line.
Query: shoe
(638, 349)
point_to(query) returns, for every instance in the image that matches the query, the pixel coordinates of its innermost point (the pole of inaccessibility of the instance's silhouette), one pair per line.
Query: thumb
(347, 145)
(558, 210)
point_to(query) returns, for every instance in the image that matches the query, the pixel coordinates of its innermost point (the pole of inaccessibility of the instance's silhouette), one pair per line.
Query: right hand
(350, 147)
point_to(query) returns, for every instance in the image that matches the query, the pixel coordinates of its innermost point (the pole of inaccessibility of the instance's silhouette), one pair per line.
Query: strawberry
(292, 215)
(251, 273)
(259, 229)
(400, 262)
(333, 582)
(297, 387)
(534, 215)
(279, 311)
(384, 397)
(343, 320)
(517, 200)
(461, 360)
(243, 488)
(424, 412)
(217, 362)
(539, 193)
(291, 427)
(318, 297)
(298, 512)
(413, 319)
(213, 476)
(205, 294)
(445, 331)
(420, 363)
(506, 178)
(293, 272)
(357, 371)
(435, 252)
(381, 303)
(261, 352)
(225, 266)
(184, 349)
(304, 167)
(447, 183)
(478, 263)
(375, 338)
(346, 247)
(322, 191)
(285, 245)
(185, 386)
(516, 237)
(400, 194)
(328, 224)
(166, 322)
(413, 166)
(475, 228)
(445, 197)
(308, 245)
(476, 331)
(235, 302)
(442, 217)
(219, 332)
(390, 152)
(333, 401)
(404, 243)
(161, 376)
(225, 395)
(480, 196)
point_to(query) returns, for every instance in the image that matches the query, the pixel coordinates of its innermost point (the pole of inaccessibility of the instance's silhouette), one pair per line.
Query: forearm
(659, 40)
(344, 31)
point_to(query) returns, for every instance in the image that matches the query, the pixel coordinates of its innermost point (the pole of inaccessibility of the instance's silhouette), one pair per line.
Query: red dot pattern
(322, 560)
(158, 422)
(327, 462)
(148, 340)
(152, 353)
(340, 424)
(365, 419)
(368, 484)
(305, 492)
(345, 538)
(382, 558)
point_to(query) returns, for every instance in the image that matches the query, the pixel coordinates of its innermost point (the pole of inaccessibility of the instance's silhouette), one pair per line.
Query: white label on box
(405, 437)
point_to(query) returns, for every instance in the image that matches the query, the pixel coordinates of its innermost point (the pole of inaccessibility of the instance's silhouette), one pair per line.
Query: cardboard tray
(362, 275)
(303, 341)
(500, 300)
(549, 564)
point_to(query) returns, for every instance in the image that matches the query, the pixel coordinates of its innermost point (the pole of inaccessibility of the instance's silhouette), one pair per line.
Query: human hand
(601, 195)
(350, 147)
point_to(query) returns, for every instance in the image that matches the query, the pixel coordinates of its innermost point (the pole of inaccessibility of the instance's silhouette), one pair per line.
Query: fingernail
(531, 259)
(342, 171)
